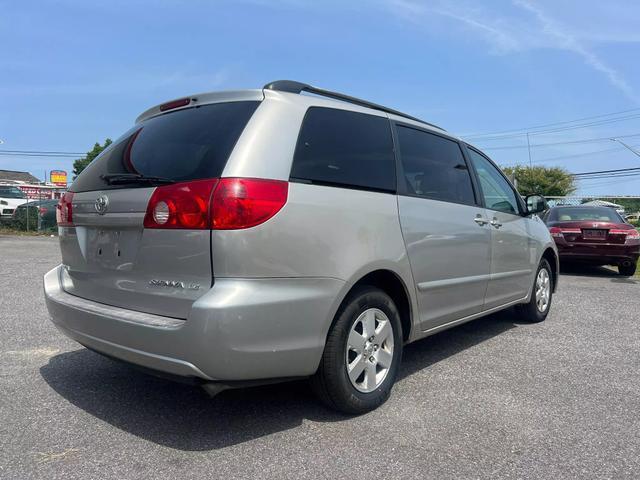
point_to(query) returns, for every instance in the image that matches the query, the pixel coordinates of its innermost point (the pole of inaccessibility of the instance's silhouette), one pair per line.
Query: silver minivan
(246, 237)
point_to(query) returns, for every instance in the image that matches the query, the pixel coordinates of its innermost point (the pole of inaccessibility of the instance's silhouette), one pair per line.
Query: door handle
(495, 223)
(480, 220)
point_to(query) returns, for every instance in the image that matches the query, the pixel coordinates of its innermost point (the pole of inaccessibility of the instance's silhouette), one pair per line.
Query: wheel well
(550, 256)
(389, 282)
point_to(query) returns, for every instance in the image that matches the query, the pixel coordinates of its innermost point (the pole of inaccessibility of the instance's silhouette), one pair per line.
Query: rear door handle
(480, 220)
(495, 223)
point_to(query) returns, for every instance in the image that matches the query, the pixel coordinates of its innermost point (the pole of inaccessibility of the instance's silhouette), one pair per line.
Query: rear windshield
(577, 214)
(189, 144)
(11, 192)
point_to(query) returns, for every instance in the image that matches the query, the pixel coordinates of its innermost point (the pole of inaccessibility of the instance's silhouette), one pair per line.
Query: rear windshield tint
(189, 144)
(11, 192)
(578, 214)
(345, 149)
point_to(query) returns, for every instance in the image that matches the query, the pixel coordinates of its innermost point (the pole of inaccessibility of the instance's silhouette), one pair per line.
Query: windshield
(189, 144)
(578, 214)
(11, 192)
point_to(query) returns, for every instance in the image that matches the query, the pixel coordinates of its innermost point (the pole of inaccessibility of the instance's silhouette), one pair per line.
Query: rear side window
(434, 167)
(189, 144)
(343, 148)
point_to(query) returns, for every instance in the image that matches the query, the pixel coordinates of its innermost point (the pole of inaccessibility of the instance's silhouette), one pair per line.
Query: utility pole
(529, 149)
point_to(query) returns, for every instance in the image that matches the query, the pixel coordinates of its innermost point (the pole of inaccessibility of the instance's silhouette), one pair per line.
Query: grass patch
(9, 230)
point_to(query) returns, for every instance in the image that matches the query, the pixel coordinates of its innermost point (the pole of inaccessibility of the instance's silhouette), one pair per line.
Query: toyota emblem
(102, 203)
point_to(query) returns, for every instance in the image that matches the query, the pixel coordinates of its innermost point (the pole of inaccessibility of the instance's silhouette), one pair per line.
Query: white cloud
(526, 27)
(567, 41)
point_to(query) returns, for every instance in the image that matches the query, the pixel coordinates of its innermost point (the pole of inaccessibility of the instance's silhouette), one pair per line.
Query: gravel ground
(490, 399)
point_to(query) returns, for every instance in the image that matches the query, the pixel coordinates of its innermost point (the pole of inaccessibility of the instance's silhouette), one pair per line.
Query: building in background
(32, 186)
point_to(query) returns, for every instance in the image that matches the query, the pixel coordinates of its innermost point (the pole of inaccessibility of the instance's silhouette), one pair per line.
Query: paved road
(490, 399)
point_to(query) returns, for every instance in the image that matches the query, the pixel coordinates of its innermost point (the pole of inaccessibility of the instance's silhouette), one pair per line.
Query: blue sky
(75, 72)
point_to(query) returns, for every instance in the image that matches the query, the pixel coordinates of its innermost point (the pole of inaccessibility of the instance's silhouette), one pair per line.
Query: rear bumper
(242, 329)
(602, 254)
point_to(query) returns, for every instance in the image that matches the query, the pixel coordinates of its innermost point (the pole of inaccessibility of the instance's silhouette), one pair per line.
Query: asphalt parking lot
(490, 399)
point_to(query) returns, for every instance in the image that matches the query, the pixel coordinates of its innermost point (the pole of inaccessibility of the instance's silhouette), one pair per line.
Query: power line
(42, 151)
(561, 129)
(608, 171)
(535, 127)
(44, 155)
(572, 142)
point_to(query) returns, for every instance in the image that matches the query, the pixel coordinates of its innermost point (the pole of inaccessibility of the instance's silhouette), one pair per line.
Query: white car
(10, 198)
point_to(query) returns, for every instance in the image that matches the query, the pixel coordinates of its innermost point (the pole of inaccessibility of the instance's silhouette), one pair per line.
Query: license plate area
(113, 249)
(594, 234)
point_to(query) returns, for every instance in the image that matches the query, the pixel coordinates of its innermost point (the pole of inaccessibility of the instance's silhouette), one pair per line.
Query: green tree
(547, 181)
(80, 164)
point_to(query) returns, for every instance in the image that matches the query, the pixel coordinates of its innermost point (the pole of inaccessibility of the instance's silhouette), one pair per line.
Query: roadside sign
(58, 177)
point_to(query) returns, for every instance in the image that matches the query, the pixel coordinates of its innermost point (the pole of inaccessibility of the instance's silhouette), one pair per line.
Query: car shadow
(184, 417)
(582, 270)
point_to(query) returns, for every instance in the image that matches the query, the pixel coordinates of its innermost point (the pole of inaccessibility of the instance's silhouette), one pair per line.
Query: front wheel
(362, 354)
(538, 307)
(627, 270)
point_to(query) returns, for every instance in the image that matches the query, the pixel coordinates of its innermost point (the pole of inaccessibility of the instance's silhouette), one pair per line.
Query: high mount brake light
(221, 204)
(183, 102)
(64, 210)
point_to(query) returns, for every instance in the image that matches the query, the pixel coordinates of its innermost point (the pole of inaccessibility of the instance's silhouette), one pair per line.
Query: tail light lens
(246, 202)
(225, 204)
(64, 210)
(556, 232)
(632, 235)
(180, 205)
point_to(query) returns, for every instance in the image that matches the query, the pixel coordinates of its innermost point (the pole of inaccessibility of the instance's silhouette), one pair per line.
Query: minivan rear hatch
(107, 253)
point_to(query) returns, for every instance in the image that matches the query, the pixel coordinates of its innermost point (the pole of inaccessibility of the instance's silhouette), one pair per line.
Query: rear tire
(362, 353)
(540, 303)
(629, 270)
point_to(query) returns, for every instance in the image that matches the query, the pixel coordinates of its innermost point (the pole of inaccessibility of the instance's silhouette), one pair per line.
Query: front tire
(540, 303)
(362, 353)
(627, 270)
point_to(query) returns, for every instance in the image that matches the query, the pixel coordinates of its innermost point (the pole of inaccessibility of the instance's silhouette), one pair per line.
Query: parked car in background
(36, 214)
(10, 198)
(236, 238)
(633, 218)
(594, 235)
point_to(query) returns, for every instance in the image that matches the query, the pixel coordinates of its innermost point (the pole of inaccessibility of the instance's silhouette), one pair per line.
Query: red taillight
(225, 204)
(556, 232)
(246, 202)
(64, 210)
(42, 210)
(561, 232)
(631, 234)
(180, 205)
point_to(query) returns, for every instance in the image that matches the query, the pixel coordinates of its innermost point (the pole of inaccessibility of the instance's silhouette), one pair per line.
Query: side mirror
(536, 204)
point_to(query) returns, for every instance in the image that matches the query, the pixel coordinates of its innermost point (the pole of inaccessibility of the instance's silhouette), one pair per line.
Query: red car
(594, 235)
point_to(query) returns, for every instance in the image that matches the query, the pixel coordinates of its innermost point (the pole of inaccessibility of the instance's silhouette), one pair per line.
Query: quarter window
(434, 167)
(344, 148)
(497, 192)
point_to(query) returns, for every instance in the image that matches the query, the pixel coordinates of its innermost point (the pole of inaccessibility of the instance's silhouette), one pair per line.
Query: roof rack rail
(292, 86)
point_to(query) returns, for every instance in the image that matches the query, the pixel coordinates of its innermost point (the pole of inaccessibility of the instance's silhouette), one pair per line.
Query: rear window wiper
(125, 178)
